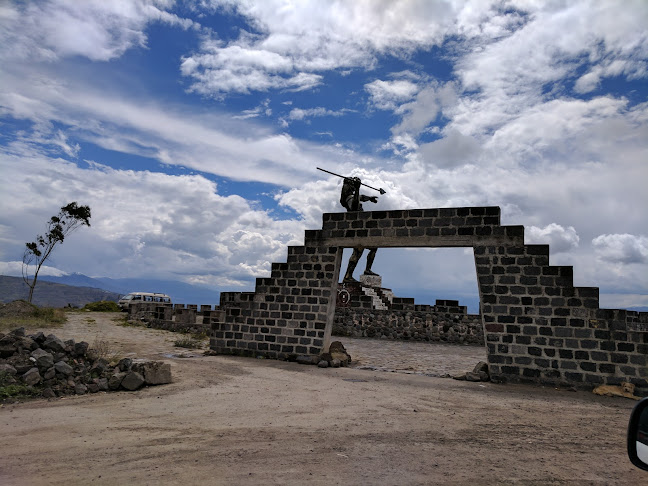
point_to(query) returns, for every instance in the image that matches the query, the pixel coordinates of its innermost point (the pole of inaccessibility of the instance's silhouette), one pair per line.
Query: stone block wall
(438, 323)
(538, 326)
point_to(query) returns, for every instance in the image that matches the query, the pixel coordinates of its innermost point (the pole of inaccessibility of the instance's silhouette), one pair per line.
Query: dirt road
(241, 421)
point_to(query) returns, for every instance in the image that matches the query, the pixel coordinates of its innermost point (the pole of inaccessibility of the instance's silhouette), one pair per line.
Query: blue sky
(194, 129)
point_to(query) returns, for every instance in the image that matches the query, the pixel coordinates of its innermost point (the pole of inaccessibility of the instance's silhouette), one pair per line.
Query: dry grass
(105, 350)
(22, 314)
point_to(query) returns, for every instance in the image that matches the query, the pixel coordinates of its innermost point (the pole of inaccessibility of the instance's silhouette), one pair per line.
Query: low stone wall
(176, 318)
(409, 325)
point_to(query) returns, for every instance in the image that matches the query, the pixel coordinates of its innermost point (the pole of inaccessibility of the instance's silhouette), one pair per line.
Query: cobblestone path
(422, 358)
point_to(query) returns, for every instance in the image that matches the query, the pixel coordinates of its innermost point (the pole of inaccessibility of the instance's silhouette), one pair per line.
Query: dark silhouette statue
(352, 200)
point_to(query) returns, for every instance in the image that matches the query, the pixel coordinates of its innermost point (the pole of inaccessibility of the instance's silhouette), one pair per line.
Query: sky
(193, 130)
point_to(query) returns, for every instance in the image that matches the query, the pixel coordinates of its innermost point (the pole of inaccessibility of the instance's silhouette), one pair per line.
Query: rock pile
(52, 367)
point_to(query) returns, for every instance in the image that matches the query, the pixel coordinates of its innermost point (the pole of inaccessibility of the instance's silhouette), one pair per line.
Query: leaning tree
(68, 219)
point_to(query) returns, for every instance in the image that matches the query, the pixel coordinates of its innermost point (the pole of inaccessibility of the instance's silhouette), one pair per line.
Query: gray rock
(81, 348)
(132, 381)
(102, 383)
(54, 344)
(125, 364)
(99, 367)
(7, 369)
(308, 360)
(32, 377)
(26, 343)
(154, 372)
(115, 380)
(80, 389)
(7, 349)
(483, 376)
(48, 393)
(92, 354)
(19, 331)
(461, 377)
(93, 387)
(49, 374)
(470, 376)
(336, 363)
(481, 366)
(63, 367)
(323, 364)
(39, 337)
(44, 360)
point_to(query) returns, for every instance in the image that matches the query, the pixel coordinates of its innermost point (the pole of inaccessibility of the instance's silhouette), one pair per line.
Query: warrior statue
(352, 200)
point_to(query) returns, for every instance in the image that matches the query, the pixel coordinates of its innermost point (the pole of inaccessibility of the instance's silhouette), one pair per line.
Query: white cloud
(297, 41)
(141, 219)
(387, 95)
(454, 149)
(300, 114)
(558, 238)
(14, 269)
(95, 29)
(621, 248)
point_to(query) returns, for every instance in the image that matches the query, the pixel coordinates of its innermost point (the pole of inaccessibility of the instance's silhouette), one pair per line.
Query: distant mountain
(180, 293)
(48, 294)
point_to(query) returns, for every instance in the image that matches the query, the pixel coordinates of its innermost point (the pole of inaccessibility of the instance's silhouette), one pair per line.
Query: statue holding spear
(351, 200)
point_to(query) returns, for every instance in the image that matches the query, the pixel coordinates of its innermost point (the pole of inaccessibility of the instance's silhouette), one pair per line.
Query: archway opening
(424, 332)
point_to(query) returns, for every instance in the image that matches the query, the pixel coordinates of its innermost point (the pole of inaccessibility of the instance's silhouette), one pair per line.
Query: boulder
(49, 374)
(80, 389)
(32, 377)
(63, 367)
(7, 369)
(44, 360)
(323, 364)
(54, 344)
(308, 360)
(132, 381)
(154, 372)
(125, 364)
(470, 376)
(80, 349)
(337, 351)
(115, 380)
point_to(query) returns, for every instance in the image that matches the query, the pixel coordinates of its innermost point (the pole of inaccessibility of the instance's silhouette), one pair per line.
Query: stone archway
(537, 325)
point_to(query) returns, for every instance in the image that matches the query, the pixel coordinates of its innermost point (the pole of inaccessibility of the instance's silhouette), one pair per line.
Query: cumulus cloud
(387, 95)
(296, 43)
(454, 149)
(558, 238)
(621, 248)
(140, 219)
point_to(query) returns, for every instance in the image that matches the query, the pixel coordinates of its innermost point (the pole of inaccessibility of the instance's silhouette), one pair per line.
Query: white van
(136, 297)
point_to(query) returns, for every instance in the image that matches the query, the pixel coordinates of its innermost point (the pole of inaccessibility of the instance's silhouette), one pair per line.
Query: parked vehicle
(638, 435)
(136, 297)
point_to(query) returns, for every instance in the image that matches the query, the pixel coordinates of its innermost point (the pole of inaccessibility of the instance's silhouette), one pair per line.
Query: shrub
(102, 306)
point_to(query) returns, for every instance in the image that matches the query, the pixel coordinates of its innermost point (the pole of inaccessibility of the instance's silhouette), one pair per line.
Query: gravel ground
(242, 421)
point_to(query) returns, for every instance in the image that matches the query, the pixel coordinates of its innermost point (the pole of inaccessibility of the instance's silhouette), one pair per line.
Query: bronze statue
(352, 200)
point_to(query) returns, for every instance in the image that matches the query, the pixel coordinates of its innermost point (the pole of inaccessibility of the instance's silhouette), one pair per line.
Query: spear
(380, 190)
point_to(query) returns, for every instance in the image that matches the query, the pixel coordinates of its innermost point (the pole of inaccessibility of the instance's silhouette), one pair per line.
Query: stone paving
(422, 358)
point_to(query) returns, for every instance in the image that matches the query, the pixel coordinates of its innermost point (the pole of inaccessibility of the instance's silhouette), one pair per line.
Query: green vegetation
(9, 388)
(102, 306)
(37, 252)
